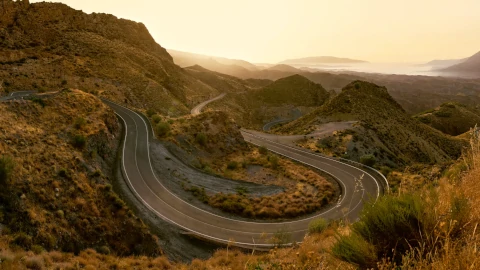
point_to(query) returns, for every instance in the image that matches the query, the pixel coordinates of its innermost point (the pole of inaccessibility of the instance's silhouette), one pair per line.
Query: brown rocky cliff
(50, 46)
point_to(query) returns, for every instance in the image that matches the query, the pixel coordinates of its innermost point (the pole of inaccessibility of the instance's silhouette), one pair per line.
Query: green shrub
(39, 101)
(274, 161)
(150, 112)
(232, 165)
(241, 190)
(162, 129)
(317, 225)
(368, 160)
(80, 122)
(199, 193)
(201, 139)
(64, 173)
(156, 119)
(263, 150)
(6, 168)
(281, 237)
(79, 141)
(327, 142)
(23, 240)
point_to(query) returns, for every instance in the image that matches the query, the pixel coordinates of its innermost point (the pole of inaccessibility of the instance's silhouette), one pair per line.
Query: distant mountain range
(186, 59)
(471, 66)
(444, 63)
(321, 60)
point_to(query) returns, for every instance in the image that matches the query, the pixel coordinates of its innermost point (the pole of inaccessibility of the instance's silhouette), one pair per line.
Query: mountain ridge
(322, 60)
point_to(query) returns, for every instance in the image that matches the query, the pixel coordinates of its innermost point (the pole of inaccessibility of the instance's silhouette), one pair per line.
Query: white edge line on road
(311, 154)
(207, 236)
(169, 220)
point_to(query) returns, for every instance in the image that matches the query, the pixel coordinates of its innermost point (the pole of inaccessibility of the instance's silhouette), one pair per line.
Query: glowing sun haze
(274, 30)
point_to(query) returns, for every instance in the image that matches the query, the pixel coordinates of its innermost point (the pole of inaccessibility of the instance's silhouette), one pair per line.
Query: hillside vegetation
(212, 142)
(289, 97)
(440, 221)
(451, 118)
(97, 53)
(56, 170)
(384, 131)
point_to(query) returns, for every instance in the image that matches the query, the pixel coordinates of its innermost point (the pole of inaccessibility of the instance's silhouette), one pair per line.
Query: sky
(269, 31)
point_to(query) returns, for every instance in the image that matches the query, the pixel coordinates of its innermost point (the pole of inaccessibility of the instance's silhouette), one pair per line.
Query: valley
(116, 153)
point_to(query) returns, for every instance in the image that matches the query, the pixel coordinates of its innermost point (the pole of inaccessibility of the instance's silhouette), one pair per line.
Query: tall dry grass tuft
(459, 235)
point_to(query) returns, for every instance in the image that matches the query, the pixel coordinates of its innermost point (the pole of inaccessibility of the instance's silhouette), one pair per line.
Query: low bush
(393, 226)
(156, 119)
(79, 141)
(354, 249)
(263, 150)
(274, 161)
(232, 165)
(368, 160)
(150, 112)
(201, 139)
(162, 129)
(317, 225)
(79, 123)
(6, 168)
(39, 101)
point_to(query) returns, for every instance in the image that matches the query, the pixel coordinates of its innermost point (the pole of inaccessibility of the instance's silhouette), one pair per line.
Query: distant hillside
(322, 60)
(294, 95)
(285, 68)
(385, 131)
(185, 59)
(451, 118)
(293, 90)
(221, 82)
(469, 66)
(445, 63)
(48, 46)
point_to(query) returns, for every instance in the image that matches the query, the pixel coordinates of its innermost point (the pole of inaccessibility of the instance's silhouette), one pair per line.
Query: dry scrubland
(286, 98)
(451, 118)
(431, 228)
(384, 133)
(56, 166)
(49, 46)
(215, 140)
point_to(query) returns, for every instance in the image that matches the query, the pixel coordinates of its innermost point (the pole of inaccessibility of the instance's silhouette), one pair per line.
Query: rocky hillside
(47, 46)
(384, 131)
(451, 118)
(289, 97)
(57, 166)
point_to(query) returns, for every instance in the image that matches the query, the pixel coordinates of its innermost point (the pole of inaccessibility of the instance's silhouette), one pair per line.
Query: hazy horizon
(273, 31)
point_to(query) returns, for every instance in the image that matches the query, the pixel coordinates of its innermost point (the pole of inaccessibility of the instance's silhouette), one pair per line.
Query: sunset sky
(274, 30)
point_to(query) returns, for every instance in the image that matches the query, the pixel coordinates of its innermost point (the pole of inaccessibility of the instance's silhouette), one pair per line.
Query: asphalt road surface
(200, 106)
(149, 189)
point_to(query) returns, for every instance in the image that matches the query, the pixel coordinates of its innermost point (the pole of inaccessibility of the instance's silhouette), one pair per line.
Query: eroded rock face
(50, 46)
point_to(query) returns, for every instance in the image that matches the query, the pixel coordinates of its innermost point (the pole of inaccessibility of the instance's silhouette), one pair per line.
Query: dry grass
(215, 140)
(58, 196)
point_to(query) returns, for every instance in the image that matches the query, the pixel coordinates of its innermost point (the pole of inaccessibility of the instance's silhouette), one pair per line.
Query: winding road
(197, 109)
(148, 187)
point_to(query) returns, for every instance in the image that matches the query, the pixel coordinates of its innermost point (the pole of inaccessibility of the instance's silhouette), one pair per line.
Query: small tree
(263, 150)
